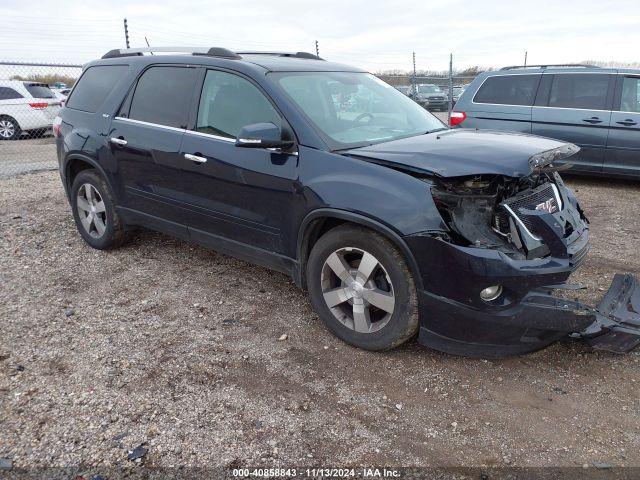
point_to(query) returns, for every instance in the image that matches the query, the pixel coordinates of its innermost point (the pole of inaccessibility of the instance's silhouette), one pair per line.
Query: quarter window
(94, 86)
(630, 101)
(508, 90)
(229, 102)
(581, 90)
(9, 94)
(163, 96)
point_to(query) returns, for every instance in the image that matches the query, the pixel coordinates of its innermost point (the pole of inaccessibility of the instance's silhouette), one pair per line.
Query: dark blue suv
(598, 109)
(395, 224)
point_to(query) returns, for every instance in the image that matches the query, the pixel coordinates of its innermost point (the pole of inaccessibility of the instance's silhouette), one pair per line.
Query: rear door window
(163, 96)
(508, 90)
(7, 93)
(39, 90)
(579, 90)
(630, 101)
(94, 86)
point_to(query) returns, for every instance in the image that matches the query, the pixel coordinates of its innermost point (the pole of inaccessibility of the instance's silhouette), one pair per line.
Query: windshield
(428, 89)
(355, 109)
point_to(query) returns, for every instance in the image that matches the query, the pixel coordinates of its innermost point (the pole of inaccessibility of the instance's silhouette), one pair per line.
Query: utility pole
(450, 86)
(525, 58)
(413, 78)
(317, 49)
(126, 33)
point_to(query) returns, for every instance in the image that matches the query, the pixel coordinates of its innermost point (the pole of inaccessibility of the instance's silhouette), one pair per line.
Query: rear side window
(94, 86)
(163, 96)
(7, 93)
(581, 90)
(630, 101)
(38, 90)
(508, 90)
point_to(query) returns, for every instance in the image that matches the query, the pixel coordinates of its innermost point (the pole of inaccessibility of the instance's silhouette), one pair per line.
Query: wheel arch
(75, 163)
(318, 222)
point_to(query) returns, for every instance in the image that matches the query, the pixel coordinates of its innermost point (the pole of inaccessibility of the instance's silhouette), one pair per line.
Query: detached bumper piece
(617, 325)
(613, 325)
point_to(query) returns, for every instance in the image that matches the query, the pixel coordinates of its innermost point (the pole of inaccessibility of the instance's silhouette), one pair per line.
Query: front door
(623, 146)
(578, 111)
(145, 139)
(245, 195)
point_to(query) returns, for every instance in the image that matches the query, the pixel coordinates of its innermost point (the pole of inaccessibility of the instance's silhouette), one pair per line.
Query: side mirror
(262, 135)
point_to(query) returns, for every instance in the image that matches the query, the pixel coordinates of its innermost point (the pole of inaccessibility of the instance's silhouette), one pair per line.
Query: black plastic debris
(69, 311)
(139, 452)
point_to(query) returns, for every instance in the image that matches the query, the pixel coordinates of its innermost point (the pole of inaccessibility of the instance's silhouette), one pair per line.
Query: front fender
(391, 197)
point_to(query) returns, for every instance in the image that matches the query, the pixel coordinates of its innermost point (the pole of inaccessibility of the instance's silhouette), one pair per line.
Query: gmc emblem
(549, 206)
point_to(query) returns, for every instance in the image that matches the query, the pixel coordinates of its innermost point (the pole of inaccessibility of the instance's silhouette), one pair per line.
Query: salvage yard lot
(170, 344)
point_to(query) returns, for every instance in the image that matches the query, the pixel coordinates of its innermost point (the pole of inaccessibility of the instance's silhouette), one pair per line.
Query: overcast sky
(377, 35)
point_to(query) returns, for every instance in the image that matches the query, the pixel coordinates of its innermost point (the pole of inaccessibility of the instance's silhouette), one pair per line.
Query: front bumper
(537, 321)
(526, 317)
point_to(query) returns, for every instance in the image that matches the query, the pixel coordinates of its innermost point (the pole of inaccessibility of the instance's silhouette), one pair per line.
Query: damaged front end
(519, 238)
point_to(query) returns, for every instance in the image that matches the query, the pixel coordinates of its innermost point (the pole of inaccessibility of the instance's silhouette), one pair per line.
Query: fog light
(491, 293)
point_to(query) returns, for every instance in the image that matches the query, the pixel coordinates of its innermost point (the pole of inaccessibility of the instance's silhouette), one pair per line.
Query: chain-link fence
(31, 95)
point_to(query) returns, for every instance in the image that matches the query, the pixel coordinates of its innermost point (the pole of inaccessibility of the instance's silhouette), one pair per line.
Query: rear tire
(94, 212)
(362, 289)
(9, 129)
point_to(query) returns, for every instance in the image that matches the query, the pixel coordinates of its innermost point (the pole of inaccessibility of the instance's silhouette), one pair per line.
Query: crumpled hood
(459, 152)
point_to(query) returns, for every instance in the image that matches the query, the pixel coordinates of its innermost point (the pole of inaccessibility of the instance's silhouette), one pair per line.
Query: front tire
(362, 289)
(93, 211)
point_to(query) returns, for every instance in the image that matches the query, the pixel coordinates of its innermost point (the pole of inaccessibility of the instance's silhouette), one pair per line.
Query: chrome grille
(545, 197)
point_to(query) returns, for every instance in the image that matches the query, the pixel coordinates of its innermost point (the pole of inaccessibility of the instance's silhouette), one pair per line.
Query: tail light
(56, 126)
(39, 105)
(457, 118)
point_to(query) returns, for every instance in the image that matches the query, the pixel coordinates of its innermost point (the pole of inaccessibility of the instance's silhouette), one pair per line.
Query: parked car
(25, 107)
(432, 97)
(61, 94)
(396, 225)
(598, 109)
(457, 91)
(404, 89)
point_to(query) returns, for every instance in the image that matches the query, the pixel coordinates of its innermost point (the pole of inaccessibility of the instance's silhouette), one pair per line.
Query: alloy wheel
(357, 289)
(7, 129)
(91, 210)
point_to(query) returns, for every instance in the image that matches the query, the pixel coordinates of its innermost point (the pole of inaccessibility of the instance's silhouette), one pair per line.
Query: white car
(25, 106)
(61, 93)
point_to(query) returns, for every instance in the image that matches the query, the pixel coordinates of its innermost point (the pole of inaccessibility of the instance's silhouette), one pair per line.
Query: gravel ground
(167, 344)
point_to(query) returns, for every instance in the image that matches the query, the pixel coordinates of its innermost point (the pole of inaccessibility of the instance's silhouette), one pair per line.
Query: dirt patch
(171, 345)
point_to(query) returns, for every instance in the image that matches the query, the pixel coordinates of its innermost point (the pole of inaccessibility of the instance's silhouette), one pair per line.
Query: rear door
(576, 107)
(12, 104)
(145, 139)
(623, 146)
(503, 102)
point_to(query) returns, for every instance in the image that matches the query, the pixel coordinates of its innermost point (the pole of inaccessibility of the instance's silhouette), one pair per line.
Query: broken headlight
(542, 159)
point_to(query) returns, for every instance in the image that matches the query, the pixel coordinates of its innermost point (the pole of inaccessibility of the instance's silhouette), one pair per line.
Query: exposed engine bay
(508, 214)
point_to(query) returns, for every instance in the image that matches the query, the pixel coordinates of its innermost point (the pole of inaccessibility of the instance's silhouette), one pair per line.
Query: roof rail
(309, 56)
(210, 52)
(559, 65)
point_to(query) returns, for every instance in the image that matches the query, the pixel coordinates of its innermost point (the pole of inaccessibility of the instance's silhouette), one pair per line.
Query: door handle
(195, 158)
(628, 122)
(118, 141)
(592, 120)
